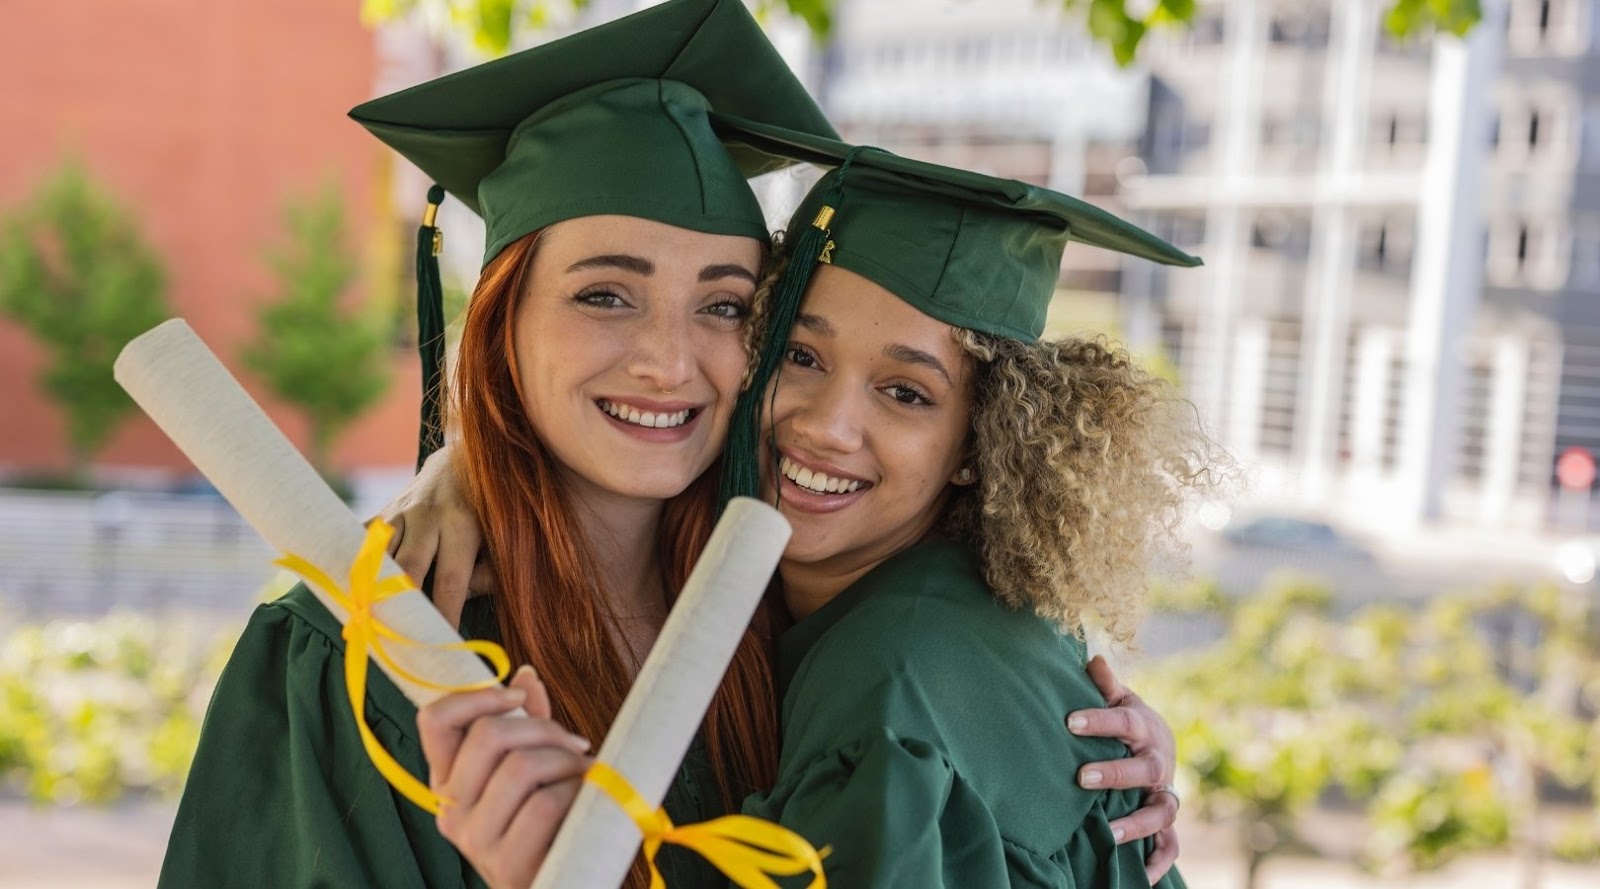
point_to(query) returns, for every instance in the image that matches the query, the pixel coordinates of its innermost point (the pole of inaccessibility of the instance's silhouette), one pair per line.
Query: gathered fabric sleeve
(281, 792)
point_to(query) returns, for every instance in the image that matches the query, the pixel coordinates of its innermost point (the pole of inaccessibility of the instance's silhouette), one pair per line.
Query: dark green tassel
(430, 329)
(741, 461)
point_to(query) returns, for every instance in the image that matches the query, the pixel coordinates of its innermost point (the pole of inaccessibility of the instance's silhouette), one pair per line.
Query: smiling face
(629, 350)
(870, 421)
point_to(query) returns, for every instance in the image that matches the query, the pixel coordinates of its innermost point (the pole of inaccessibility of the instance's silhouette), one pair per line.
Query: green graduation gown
(924, 739)
(282, 793)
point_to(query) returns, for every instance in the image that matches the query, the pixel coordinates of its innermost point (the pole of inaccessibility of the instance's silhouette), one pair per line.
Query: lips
(817, 481)
(648, 419)
(652, 421)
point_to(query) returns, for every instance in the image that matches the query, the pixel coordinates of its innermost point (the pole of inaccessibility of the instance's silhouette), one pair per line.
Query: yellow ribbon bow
(365, 634)
(744, 848)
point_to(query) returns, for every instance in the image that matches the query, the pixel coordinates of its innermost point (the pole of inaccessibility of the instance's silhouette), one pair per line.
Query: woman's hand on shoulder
(1150, 767)
(436, 527)
(506, 780)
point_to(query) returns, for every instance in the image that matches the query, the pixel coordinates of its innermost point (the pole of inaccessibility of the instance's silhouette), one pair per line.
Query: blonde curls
(1083, 462)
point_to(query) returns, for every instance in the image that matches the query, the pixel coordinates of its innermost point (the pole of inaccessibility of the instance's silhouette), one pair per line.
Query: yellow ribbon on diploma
(744, 848)
(365, 634)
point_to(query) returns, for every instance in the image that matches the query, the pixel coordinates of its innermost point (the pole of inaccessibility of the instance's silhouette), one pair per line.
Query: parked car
(1290, 534)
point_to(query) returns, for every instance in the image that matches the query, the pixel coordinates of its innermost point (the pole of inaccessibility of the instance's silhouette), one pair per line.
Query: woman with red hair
(602, 353)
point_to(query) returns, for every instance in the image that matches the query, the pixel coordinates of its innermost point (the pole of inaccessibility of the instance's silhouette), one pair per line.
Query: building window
(1538, 126)
(1384, 245)
(1548, 27)
(1531, 253)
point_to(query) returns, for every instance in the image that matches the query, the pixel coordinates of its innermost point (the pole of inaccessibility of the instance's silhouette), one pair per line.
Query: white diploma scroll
(658, 720)
(199, 405)
(177, 380)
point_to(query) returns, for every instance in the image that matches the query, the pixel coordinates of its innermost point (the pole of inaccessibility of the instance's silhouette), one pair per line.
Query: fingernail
(1076, 723)
(1118, 834)
(514, 696)
(580, 740)
(1090, 778)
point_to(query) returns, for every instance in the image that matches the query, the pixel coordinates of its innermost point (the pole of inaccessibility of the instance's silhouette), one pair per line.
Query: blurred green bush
(90, 710)
(1448, 722)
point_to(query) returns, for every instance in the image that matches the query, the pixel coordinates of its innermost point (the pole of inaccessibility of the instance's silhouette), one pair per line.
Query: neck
(623, 534)
(807, 586)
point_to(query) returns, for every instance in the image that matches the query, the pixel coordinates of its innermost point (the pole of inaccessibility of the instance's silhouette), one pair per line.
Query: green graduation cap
(609, 120)
(971, 250)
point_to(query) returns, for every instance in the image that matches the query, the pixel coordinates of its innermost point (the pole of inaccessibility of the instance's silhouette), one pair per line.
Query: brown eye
(907, 395)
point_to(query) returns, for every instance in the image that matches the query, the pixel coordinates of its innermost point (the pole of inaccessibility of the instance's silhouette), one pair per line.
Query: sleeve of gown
(281, 792)
(892, 812)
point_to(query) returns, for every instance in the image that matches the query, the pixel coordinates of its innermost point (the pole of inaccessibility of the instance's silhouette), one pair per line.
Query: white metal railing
(76, 553)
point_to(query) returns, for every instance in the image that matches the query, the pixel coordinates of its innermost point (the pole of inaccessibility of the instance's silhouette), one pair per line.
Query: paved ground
(121, 849)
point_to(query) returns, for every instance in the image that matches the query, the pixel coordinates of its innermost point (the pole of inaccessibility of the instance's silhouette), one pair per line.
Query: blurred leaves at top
(493, 26)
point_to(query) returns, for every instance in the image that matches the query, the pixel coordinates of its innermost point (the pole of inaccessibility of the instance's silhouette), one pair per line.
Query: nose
(826, 418)
(664, 353)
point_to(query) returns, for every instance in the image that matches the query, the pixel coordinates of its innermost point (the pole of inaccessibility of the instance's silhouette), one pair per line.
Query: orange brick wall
(205, 116)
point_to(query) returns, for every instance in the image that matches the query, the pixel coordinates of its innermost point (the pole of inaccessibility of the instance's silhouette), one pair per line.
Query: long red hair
(551, 611)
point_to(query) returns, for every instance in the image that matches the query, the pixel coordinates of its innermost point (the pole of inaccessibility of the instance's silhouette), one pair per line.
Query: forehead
(861, 311)
(635, 236)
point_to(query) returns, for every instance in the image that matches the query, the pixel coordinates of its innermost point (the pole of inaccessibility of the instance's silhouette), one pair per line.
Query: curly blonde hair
(1083, 463)
(1083, 460)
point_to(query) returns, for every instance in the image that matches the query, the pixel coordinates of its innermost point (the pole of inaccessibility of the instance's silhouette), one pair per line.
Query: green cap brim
(1085, 222)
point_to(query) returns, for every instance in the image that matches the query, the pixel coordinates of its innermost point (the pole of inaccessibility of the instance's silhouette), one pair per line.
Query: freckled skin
(604, 331)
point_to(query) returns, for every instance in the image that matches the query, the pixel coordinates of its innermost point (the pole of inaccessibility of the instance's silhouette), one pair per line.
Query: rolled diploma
(659, 719)
(179, 382)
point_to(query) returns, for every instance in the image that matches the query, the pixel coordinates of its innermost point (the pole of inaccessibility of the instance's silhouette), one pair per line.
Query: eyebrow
(815, 323)
(917, 356)
(728, 270)
(897, 352)
(636, 264)
(641, 266)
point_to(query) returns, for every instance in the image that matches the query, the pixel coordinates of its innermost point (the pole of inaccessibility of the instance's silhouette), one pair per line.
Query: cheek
(724, 359)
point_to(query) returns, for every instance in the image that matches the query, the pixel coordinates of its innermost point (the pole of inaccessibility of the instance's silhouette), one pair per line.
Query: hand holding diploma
(510, 779)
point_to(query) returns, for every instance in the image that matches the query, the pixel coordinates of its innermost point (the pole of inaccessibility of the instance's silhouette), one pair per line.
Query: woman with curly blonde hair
(965, 499)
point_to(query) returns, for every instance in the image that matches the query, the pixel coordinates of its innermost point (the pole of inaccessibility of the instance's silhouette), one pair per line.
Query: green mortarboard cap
(972, 250)
(609, 120)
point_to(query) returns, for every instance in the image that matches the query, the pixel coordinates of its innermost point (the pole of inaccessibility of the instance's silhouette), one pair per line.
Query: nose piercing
(669, 391)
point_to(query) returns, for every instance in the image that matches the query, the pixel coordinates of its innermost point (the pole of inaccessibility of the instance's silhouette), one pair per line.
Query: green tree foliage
(76, 273)
(1442, 719)
(312, 350)
(492, 25)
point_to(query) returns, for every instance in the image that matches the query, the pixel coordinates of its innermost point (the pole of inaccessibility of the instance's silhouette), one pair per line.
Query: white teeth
(648, 419)
(812, 480)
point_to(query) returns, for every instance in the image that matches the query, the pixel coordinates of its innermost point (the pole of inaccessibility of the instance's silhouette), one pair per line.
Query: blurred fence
(64, 553)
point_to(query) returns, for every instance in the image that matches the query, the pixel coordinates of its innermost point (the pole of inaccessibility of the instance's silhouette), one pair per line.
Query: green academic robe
(282, 793)
(924, 739)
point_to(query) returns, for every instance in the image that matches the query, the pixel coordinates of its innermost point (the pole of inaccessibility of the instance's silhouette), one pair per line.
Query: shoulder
(929, 607)
(293, 649)
(925, 646)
